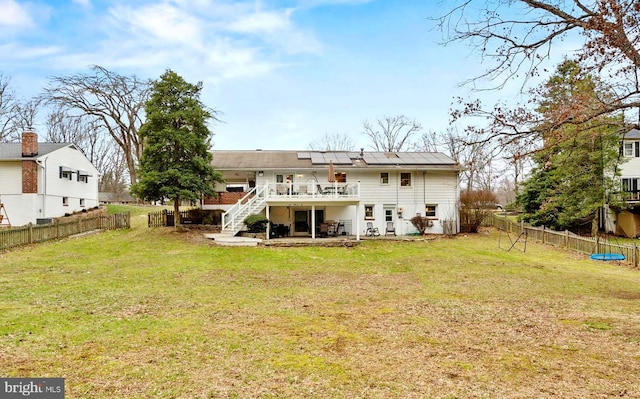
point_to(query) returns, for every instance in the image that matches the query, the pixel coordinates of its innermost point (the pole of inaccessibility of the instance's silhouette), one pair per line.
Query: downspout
(424, 188)
(44, 186)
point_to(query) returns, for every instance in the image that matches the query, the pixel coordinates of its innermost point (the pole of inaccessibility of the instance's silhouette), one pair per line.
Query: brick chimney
(29, 168)
(29, 144)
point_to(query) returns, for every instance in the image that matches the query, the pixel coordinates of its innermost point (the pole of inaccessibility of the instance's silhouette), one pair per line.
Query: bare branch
(392, 133)
(115, 103)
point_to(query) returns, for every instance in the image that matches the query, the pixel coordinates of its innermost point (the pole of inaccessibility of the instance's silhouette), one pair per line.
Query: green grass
(153, 313)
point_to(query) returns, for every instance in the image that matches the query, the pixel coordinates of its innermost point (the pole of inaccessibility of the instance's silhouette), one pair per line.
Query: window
(341, 177)
(82, 202)
(65, 173)
(630, 184)
(405, 179)
(628, 149)
(284, 178)
(384, 178)
(83, 178)
(430, 210)
(65, 201)
(388, 214)
(368, 212)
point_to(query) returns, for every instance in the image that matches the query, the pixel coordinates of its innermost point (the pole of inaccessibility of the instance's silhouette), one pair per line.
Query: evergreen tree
(574, 174)
(176, 162)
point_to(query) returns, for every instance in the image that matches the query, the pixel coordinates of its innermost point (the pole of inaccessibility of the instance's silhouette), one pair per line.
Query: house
(630, 169)
(627, 222)
(317, 193)
(107, 197)
(41, 181)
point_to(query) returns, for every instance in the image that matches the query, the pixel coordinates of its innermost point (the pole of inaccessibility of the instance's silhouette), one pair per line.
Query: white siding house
(630, 169)
(40, 181)
(303, 193)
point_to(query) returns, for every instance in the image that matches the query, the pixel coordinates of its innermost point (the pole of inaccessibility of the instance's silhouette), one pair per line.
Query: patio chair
(371, 231)
(390, 229)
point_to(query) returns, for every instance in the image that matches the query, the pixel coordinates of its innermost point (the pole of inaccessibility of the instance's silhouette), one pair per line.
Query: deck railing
(313, 190)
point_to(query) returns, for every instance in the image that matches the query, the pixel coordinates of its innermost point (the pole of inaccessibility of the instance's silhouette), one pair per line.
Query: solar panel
(304, 155)
(317, 158)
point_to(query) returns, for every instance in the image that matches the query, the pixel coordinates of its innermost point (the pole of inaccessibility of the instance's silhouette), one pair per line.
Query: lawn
(153, 313)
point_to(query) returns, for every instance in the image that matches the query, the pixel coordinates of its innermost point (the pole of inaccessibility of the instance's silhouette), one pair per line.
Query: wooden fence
(568, 240)
(62, 228)
(166, 217)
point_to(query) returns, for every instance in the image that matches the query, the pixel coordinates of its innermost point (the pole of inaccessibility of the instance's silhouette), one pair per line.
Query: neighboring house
(304, 193)
(41, 181)
(627, 222)
(106, 197)
(630, 170)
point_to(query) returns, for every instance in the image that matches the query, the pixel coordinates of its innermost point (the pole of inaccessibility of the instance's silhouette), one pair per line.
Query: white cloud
(263, 22)
(83, 3)
(14, 15)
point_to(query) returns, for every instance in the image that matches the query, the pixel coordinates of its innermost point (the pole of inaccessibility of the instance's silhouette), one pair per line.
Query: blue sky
(283, 73)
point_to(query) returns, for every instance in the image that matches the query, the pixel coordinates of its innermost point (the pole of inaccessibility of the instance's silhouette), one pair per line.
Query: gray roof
(299, 160)
(13, 151)
(632, 134)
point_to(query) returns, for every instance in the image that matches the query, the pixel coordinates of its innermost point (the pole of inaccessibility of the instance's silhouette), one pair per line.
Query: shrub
(475, 206)
(421, 223)
(256, 223)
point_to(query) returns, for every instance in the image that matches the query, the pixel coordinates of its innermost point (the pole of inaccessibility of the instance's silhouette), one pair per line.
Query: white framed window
(82, 202)
(405, 179)
(628, 149)
(65, 201)
(630, 184)
(430, 210)
(284, 178)
(384, 178)
(369, 212)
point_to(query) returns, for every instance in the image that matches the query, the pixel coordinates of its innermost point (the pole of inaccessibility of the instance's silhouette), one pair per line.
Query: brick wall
(29, 144)
(224, 198)
(29, 177)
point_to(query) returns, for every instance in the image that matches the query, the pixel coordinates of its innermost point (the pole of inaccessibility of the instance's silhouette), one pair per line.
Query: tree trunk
(594, 224)
(177, 220)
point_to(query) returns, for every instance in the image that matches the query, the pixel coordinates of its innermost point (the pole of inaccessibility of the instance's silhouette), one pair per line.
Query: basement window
(65, 201)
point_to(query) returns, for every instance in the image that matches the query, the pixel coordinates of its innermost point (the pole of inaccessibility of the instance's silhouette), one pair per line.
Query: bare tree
(391, 133)
(115, 103)
(7, 111)
(519, 36)
(474, 155)
(92, 139)
(333, 142)
(26, 113)
(429, 142)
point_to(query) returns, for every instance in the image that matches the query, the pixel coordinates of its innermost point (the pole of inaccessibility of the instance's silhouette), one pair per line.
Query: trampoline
(606, 256)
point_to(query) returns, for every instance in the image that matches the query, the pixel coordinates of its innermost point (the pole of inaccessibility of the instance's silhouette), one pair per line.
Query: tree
(473, 154)
(519, 36)
(114, 101)
(7, 111)
(86, 134)
(176, 162)
(333, 142)
(392, 133)
(574, 174)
